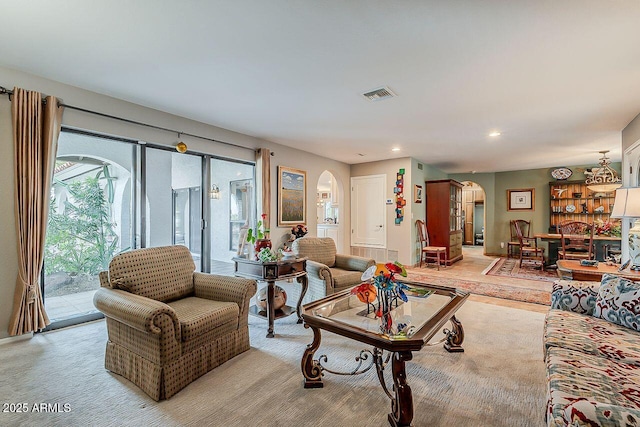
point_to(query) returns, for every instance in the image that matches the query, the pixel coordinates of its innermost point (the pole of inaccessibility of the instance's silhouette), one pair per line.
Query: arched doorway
(328, 207)
(473, 215)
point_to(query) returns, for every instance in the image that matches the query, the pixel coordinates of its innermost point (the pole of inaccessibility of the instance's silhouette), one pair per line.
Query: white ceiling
(559, 79)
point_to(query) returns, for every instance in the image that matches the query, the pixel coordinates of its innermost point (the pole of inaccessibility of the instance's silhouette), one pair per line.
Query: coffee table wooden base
(402, 398)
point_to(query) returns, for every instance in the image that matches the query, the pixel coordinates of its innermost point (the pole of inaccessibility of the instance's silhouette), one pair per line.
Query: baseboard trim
(9, 340)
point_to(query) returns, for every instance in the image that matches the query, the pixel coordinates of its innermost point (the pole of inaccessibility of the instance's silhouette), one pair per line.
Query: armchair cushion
(343, 279)
(588, 413)
(162, 273)
(590, 335)
(318, 249)
(198, 315)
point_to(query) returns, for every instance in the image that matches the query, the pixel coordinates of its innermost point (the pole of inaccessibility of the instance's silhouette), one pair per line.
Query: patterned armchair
(327, 271)
(167, 324)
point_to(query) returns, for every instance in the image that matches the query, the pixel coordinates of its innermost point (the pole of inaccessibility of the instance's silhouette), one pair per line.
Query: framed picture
(520, 200)
(417, 194)
(292, 196)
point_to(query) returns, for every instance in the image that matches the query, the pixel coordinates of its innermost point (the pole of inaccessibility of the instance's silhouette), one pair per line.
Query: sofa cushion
(163, 273)
(618, 301)
(573, 295)
(345, 278)
(318, 249)
(574, 376)
(591, 335)
(198, 315)
(588, 413)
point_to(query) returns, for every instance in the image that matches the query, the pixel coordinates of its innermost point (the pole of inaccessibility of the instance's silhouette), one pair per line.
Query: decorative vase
(279, 298)
(261, 243)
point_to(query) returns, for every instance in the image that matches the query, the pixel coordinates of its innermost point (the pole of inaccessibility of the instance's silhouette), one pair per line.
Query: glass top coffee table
(414, 324)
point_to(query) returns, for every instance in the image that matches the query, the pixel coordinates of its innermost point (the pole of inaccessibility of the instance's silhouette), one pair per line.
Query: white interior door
(368, 213)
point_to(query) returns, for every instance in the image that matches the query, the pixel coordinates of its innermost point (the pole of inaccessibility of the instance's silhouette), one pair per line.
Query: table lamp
(627, 205)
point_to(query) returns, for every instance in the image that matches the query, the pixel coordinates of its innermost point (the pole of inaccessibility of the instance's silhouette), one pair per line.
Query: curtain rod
(8, 92)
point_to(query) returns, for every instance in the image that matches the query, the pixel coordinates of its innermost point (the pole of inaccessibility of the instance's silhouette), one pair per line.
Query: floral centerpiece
(382, 293)
(607, 228)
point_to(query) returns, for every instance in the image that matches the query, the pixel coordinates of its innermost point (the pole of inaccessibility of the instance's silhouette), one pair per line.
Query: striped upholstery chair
(168, 324)
(327, 271)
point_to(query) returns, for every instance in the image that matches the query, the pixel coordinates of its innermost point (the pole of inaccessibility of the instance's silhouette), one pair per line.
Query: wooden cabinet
(573, 201)
(444, 216)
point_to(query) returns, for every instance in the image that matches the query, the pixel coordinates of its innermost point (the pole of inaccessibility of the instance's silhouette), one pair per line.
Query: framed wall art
(417, 194)
(292, 196)
(520, 200)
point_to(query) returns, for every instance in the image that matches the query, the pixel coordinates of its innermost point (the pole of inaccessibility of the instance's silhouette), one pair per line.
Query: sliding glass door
(90, 220)
(112, 195)
(232, 206)
(174, 200)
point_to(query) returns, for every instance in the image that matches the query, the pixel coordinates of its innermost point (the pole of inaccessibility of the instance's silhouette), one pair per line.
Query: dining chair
(576, 239)
(514, 244)
(428, 252)
(528, 246)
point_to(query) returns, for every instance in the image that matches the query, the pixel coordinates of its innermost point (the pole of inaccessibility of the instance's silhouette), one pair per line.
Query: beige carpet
(498, 381)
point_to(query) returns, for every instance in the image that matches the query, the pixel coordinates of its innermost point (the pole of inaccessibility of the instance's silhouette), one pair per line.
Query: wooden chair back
(521, 228)
(576, 238)
(423, 234)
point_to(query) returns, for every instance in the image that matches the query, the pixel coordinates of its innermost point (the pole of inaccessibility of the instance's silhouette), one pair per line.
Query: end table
(270, 272)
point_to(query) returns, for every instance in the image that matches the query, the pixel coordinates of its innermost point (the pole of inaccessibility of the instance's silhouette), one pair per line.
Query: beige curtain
(263, 161)
(35, 138)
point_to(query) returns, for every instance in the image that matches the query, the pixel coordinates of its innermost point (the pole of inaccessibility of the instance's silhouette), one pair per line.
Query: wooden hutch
(444, 216)
(573, 201)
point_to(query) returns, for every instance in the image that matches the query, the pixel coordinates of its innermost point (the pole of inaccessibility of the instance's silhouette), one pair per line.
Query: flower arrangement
(259, 232)
(381, 291)
(607, 228)
(266, 255)
(299, 230)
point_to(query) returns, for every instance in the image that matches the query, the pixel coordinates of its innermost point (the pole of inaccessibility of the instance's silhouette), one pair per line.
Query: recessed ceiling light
(495, 134)
(395, 149)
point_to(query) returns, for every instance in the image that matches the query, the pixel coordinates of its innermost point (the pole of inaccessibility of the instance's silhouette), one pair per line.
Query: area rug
(536, 296)
(509, 267)
(499, 380)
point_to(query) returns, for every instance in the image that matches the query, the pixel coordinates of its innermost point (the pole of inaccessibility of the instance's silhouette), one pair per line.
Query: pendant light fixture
(603, 179)
(181, 147)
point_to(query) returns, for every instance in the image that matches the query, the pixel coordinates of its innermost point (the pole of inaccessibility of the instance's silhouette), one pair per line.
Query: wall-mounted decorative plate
(571, 208)
(561, 173)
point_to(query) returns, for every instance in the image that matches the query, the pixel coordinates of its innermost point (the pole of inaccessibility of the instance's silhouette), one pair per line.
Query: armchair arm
(135, 311)
(317, 271)
(353, 263)
(225, 288)
(573, 295)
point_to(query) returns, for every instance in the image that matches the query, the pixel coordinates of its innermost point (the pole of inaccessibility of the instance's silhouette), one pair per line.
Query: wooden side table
(270, 272)
(572, 270)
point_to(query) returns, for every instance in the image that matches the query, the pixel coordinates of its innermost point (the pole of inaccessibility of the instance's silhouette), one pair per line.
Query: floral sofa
(592, 353)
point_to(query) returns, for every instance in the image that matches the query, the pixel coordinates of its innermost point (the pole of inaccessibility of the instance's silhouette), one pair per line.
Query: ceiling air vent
(379, 94)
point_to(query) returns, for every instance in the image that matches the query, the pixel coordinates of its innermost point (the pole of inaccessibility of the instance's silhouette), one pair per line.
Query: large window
(111, 196)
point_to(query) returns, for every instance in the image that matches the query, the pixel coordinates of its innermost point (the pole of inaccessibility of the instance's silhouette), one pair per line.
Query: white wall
(314, 165)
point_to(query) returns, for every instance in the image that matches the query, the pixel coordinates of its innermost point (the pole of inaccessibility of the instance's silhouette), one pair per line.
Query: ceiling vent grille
(379, 94)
